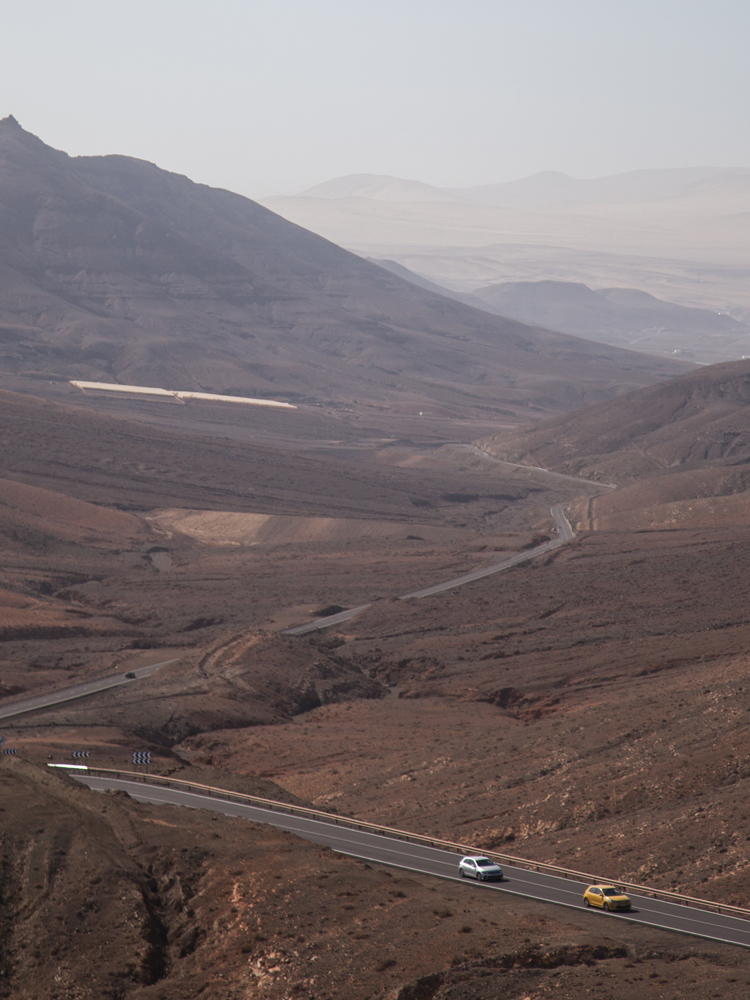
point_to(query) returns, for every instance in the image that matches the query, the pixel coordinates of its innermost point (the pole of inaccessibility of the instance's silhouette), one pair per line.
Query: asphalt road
(564, 534)
(444, 864)
(342, 616)
(79, 691)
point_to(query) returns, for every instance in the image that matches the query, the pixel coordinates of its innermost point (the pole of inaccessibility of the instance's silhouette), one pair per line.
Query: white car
(478, 867)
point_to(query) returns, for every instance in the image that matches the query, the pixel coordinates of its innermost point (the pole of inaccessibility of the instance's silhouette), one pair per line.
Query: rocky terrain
(88, 582)
(592, 711)
(588, 708)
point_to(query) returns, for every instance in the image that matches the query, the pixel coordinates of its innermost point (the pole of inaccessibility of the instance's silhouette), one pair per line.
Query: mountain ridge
(115, 270)
(678, 234)
(541, 190)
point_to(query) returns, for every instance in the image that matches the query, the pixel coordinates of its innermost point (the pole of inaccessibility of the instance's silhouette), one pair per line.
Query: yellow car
(606, 897)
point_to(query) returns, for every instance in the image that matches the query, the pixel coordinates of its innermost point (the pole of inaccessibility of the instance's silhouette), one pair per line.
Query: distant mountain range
(623, 317)
(114, 270)
(626, 317)
(679, 234)
(379, 188)
(552, 190)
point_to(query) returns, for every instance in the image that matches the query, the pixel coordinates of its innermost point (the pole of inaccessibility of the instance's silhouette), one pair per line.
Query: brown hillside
(589, 708)
(84, 585)
(690, 422)
(704, 512)
(127, 463)
(25, 508)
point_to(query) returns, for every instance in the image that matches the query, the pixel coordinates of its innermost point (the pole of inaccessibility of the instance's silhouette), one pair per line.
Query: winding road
(537, 468)
(392, 850)
(425, 860)
(564, 534)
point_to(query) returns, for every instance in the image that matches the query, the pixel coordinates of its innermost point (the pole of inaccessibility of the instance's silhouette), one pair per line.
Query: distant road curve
(425, 860)
(79, 691)
(537, 468)
(565, 534)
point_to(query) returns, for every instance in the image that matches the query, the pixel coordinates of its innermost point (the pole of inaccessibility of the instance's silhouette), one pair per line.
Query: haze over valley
(679, 235)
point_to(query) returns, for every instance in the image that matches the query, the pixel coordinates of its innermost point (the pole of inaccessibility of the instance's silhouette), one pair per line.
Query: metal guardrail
(539, 866)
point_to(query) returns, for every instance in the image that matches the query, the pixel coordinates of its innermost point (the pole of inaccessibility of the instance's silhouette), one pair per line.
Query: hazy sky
(273, 96)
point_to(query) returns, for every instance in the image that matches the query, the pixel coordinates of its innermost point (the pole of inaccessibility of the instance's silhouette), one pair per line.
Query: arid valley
(587, 708)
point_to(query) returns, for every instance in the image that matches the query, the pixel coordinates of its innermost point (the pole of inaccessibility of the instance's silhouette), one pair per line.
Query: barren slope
(679, 454)
(698, 419)
(591, 710)
(83, 585)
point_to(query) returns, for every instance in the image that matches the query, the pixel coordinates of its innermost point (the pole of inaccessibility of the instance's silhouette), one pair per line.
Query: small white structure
(180, 397)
